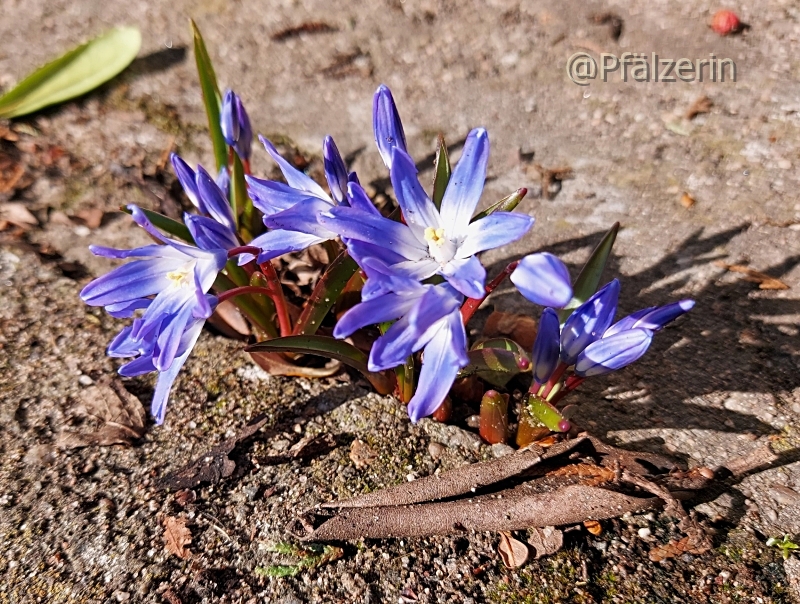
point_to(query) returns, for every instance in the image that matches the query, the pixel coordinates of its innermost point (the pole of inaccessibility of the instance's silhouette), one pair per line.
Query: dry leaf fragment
(696, 544)
(594, 527)
(687, 201)
(545, 541)
(702, 104)
(123, 414)
(91, 217)
(214, 465)
(513, 552)
(177, 536)
(361, 454)
(17, 214)
(764, 281)
(520, 328)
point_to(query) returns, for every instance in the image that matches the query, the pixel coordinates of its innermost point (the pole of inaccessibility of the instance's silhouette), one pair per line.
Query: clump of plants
(397, 288)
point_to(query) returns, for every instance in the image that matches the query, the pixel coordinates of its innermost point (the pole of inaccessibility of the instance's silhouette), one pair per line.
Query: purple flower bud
(223, 181)
(546, 346)
(186, 177)
(589, 322)
(387, 125)
(335, 170)
(235, 125)
(653, 318)
(543, 279)
(614, 352)
(211, 200)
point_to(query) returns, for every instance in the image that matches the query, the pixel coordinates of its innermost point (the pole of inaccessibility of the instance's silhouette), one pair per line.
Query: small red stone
(725, 22)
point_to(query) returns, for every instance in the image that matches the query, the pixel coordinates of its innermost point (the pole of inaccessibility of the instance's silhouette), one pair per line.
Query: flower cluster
(420, 276)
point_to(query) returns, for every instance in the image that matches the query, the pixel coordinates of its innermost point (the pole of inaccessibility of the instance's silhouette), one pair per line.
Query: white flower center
(440, 247)
(183, 276)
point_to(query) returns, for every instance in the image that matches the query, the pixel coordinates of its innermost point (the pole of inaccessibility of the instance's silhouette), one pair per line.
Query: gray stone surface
(86, 526)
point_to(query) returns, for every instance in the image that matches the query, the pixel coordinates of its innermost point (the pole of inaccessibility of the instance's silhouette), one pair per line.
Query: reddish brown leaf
(520, 328)
(594, 527)
(696, 543)
(177, 537)
(513, 552)
(702, 104)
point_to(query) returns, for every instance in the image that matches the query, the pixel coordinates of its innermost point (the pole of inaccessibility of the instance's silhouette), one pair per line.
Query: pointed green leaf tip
(211, 96)
(75, 73)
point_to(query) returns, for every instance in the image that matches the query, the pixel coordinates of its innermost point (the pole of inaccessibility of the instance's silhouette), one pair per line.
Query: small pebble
(501, 450)
(85, 380)
(644, 533)
(436, 450)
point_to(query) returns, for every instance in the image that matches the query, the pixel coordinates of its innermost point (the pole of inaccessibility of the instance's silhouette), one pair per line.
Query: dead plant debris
(546, 541)
(176, 537)
(702, 104)
(513, 552)
(309, 27)
(764, 281)
(520, 328)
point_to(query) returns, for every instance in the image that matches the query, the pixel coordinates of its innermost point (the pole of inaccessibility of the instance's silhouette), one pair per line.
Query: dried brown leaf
(122, 413)
(687, 201)
(702, 104)
(177, 536)
(309, 27)
(276, 364)
(764, 281)
(229, 321)
(594, 527)
(17, 214)
(212, 466)
(695, 543)
(520, 328)
(91, 217)
(546, 541)
(513, 552)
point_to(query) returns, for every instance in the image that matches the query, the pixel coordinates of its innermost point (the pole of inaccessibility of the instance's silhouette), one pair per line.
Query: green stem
(326, 292)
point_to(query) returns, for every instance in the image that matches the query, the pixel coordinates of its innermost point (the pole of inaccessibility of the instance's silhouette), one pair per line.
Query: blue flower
(169, 283)
(291, 209)
(387, 125)
(653, 318)
(543, 279)
(215, 228)
(428, 319)
(435, 241)
(613, 352)
(546, 346)
(235, 125)
(589, 322)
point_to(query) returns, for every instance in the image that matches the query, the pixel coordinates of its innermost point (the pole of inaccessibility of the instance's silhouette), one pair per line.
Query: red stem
(276, 293)
(245, 289)
(471, 305)
(244, 249)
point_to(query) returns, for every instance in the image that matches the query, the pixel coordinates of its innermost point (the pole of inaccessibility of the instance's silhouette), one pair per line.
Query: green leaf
(329, 348)
(442, 172)
(211, 96)
(589, 279)
(75, 73)
(544, 412)
(327, 290)
(507, 204)
(166, 224)
(497, 361)
(239, 197)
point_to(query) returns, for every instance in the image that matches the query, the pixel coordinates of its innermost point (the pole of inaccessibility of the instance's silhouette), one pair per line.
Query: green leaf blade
(589, 278)
(73, 74)
(442, 172)
(211, 96)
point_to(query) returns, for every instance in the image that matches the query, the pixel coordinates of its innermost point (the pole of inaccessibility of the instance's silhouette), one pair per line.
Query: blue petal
(124, 345)
(209, 234)
(186, 177)
(494, 231)
(414, 330)
(125, 310)
(654, 318)
(546, 347)
(614, 352)
(276, 243)
(167, 378)
(418, 209)
(387, 125)
(335, 170)
(212, 201)
(370, 312)
(543, 279)
(302, 217)
(229, 124)
(589, 322)
(294, 177)
(445, 354)
(466, 185)
(160, 251)
(467, 275)
(363, 226)
(358, 199)
(137, 279)
(136, 367)
(223, 181)
(271, 197)
(382, 278)
(360, 251)
(169, 337)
